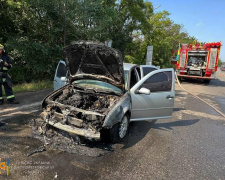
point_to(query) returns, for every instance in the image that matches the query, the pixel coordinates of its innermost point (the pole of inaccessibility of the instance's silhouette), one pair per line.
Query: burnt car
(103, 95)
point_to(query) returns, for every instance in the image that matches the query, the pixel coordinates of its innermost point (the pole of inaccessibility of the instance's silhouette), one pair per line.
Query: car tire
(119, 130)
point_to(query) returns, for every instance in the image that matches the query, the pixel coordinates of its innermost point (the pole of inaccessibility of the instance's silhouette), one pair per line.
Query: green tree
(220, 63)
(163, 34)
(34, 31)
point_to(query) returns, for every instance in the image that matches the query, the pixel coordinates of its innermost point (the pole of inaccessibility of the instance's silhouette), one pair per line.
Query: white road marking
(203, 115)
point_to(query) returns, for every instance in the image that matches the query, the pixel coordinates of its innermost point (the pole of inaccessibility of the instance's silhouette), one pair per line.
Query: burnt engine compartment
(91, 101)
(80, 108)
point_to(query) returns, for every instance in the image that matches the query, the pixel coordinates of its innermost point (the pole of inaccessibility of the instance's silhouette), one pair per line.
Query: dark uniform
(5, 79)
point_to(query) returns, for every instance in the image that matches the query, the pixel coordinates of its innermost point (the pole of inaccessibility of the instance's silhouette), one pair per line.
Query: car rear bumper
(195, 77)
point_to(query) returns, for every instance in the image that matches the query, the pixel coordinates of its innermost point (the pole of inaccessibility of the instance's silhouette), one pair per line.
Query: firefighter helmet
(1, 46)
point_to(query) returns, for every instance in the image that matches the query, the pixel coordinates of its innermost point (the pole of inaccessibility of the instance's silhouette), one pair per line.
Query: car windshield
(97, 85)
(126, 77)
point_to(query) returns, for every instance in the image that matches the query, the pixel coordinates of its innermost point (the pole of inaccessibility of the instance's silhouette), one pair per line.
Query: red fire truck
(196, 61)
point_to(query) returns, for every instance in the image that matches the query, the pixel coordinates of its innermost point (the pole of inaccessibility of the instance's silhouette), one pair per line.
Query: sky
(203, 19)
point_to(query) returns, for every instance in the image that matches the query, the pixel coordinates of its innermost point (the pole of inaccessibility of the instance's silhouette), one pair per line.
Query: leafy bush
(33, 60)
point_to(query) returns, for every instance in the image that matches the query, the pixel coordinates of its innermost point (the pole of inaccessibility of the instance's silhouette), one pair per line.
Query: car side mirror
(64, 79)
(143, 91)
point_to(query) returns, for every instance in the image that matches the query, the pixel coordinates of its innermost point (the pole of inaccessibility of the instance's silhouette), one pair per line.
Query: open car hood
(94, 60)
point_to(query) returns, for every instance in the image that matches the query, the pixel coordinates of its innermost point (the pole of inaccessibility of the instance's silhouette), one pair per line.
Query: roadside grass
(32, 86)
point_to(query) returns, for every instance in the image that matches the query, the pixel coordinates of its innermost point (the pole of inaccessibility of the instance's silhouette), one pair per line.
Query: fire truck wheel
(207, 81)
(180, 79)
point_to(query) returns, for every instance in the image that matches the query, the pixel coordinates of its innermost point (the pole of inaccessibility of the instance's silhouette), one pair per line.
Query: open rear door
(159, 102)
(61, 71)
(212, 59)
(183, 57)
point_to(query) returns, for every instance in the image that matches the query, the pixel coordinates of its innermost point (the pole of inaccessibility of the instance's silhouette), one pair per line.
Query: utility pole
(157, 7)
(149, 55)
(64, 28)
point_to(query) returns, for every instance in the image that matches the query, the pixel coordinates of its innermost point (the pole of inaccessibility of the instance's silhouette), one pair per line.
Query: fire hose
(222, 114)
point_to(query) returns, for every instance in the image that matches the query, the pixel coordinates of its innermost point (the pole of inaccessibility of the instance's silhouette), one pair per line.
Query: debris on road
(40, 149)
(55, 139)
(2, 123)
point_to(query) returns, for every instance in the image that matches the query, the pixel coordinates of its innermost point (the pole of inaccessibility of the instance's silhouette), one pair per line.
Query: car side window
(158, 82)
(147, 70)
(133, 78)
(61, 71)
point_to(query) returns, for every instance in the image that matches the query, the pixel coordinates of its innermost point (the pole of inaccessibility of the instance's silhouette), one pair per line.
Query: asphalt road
(191, 145)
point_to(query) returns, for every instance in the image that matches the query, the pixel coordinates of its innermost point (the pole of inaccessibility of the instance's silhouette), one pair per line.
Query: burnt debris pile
(55, 139)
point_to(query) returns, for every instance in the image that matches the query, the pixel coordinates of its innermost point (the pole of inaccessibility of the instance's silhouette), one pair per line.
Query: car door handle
(169, 97)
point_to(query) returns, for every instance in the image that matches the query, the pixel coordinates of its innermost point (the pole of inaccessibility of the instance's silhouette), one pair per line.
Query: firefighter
(5, 80)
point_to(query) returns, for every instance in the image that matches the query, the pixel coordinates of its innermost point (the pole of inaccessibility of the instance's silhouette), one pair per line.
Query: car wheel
(120, 130)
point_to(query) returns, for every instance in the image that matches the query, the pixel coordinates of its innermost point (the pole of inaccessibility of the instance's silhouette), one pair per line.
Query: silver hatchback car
(100, 94)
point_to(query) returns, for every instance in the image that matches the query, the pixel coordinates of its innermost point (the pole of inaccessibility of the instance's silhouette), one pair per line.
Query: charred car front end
(94, 100)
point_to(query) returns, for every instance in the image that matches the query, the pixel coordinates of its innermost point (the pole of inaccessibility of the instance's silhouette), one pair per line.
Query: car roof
(128, 66)
(149, 66)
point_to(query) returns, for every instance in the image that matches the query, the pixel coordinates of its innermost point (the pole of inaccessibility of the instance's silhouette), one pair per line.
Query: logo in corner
(4, 166)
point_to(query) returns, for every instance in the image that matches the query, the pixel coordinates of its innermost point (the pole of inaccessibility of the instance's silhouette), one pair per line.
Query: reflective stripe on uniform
(5, 68)
(9, 97)
(3, 79)
(1, 98)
